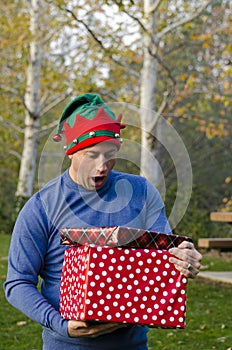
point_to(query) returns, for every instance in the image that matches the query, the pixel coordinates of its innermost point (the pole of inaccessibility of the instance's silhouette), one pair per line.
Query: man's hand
(92, 330)
(186, 259)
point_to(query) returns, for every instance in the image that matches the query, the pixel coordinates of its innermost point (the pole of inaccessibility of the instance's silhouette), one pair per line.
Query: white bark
(149, 165)
(150, 118)
(32, 108)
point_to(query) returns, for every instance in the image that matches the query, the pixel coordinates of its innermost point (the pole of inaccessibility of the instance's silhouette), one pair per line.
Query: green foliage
(195, 222)
(7, 200)
(210, 160)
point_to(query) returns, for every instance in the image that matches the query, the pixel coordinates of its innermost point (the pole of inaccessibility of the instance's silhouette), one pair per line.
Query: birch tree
(150, 114)
(32, 107)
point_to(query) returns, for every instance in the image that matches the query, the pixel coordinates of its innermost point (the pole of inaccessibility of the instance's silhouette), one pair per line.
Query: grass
(209, 315)
(16, 330)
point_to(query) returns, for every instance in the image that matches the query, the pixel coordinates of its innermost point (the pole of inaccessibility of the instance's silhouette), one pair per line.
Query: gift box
(136, 286)
(122, 284)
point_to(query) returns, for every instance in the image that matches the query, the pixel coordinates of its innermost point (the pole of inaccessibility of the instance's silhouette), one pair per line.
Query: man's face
(91, 166)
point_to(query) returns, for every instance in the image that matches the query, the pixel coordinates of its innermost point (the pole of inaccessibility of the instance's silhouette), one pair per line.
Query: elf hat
(86, 121)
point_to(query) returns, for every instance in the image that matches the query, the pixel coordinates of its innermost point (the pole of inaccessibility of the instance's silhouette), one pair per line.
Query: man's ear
(70, 156)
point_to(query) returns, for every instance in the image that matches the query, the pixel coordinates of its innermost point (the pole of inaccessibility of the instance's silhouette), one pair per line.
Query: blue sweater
(125, 200)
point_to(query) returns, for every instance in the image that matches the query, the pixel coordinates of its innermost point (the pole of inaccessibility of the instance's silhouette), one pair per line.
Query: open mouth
(98, 180)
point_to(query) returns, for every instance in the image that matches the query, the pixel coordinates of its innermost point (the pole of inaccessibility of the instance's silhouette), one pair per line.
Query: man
(89, 193)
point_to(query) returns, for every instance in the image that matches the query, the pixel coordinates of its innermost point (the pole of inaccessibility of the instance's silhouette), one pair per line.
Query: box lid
(120, 236)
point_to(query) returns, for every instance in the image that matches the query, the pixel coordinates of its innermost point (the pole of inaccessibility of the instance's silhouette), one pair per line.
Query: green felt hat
(88, 120)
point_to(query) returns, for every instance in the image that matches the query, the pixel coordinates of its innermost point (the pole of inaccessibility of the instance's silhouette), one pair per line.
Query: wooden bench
(221, 216)
(217, 243)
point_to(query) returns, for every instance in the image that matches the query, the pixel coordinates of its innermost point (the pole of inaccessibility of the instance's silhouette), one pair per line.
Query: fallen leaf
(203, 326)
(169, 334)
(21, 323)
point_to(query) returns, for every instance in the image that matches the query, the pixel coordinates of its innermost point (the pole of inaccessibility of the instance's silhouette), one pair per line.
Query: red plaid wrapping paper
(120, 236)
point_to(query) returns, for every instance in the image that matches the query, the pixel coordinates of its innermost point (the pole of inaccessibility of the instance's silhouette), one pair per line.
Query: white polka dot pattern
(123, 285)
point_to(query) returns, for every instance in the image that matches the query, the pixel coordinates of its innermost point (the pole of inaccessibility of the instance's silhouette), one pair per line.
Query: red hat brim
(91, 142)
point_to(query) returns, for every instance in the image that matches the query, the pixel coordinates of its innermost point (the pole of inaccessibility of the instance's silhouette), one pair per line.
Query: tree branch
(55, 102)
(46, 129)
(98, 41)
(187, 19)
(161, 109)
(16, 154)
(155, 6)
(9, 124)
(136, 19)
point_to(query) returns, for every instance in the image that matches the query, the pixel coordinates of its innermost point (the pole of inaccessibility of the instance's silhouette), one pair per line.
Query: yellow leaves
(227, 204)
(189, 26)
(215, 130)
(205, 45)
(211, 128)
(217, 65)
(204, 37)
(227, 199)
(228, 179)
(229, 48)
(205, 70)
(191, 81)
(226, 101)
(223, 99)
(228, 71)
(226, 85)
(181, 110)
(201, 125)
(183, 77)
(216, 98)
(193, 36)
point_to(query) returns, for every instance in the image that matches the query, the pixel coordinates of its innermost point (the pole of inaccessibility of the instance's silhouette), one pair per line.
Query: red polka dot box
(108, 283)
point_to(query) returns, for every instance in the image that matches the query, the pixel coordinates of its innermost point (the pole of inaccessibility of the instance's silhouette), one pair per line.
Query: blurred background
(165, 62)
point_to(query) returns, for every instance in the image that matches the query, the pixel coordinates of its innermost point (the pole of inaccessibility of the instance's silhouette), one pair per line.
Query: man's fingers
(84, 329)
(106, 330)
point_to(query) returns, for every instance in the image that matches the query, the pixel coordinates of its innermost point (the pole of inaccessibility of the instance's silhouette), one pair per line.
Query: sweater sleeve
(26, 259)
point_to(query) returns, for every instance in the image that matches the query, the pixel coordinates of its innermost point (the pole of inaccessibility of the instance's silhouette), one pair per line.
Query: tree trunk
(32, 108)
(149, 164)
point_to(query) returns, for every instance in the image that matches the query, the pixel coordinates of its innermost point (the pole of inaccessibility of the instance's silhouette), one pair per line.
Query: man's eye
(92, 155)
(111, 155)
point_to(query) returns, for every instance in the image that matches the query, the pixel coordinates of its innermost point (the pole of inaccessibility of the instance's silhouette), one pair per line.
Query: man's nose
(101, 164)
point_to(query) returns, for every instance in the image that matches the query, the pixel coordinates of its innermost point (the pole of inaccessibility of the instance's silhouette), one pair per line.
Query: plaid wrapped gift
(133, 284)
(120, 236)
